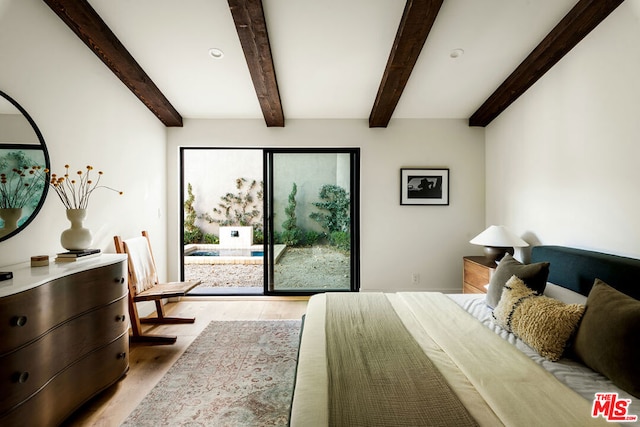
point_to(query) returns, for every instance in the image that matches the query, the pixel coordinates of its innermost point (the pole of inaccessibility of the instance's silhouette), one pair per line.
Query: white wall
(562, 161)
(396, 241)
(87, 117)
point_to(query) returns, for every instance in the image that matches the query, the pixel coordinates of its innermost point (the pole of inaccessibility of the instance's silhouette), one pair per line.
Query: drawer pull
(119, 280)
(20, 377)
(19, 321)
(122, 355)
(121, 318)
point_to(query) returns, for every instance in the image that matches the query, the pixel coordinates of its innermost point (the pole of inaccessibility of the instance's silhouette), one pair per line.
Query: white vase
(10, 216)
(76, 237)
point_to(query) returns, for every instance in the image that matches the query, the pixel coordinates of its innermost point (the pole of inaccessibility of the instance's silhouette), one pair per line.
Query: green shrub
(341, 240)
(290, 237)
(194, 236)
(335, 219)
(336, 205)
(291, 234)
(192, 233)
(210, 239)
(258, 235)
(296, 238)
(311, 237)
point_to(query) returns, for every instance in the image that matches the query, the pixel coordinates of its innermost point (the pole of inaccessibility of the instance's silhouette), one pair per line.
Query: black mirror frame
(43, 146)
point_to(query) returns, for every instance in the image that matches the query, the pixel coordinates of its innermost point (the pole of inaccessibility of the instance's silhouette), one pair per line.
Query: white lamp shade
(498, 236)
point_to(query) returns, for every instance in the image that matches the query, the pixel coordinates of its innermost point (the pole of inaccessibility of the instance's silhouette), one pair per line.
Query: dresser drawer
(24, 371)
(27, 315)
(68, 390)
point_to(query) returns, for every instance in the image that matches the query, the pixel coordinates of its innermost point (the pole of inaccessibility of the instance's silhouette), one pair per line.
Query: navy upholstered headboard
(576, 269)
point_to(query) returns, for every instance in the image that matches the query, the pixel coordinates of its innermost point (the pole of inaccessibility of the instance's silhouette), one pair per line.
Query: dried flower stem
(75, 194)
(19, 186)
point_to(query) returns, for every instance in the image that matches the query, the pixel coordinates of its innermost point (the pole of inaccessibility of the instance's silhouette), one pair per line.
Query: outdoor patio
(317, 267)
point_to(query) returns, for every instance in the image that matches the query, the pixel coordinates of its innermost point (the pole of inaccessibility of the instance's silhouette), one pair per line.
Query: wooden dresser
(64, 330)
(477, 271)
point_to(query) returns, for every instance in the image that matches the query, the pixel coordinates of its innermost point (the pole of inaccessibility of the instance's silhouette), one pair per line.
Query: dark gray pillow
(533, 275)
(608, 338)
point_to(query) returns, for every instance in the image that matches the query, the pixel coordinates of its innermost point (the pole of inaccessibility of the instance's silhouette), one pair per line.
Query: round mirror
(23, 160)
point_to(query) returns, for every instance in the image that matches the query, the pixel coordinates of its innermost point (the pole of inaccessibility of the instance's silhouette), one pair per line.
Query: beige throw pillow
(543, 323)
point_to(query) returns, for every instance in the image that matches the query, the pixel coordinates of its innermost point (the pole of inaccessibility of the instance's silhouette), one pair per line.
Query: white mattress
(575, 375)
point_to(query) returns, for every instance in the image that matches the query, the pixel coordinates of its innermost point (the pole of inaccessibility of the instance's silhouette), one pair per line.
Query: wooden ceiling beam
(94, 32)
(417, 19)
(580, 21)
(248, 16)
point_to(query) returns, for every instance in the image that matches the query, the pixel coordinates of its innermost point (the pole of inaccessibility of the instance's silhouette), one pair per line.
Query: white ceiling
(329, 55)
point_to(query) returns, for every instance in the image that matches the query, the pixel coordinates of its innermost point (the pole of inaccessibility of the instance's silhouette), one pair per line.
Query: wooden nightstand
(477, 271)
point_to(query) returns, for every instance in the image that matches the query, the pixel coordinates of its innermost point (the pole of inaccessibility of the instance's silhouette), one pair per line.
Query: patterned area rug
(235, 373)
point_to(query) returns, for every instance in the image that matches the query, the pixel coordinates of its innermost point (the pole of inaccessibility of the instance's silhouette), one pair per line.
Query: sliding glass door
(270, 221)
(312, 225)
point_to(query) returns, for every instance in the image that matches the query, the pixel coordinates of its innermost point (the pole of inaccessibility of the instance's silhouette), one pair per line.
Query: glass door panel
(312, 226)
(222, 236)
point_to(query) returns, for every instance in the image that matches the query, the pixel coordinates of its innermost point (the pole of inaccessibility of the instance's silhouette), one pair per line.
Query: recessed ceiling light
(216, 53)
(456, 53)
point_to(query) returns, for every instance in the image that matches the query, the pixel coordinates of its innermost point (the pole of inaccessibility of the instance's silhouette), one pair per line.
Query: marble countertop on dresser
(26, 277)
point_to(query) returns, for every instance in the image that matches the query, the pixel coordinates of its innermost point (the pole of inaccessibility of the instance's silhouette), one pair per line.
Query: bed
(558, 331)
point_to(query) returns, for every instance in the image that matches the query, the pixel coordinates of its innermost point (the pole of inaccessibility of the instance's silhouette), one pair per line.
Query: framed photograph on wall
(424, 186)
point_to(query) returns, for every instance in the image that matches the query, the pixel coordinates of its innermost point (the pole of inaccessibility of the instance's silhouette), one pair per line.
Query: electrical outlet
(415, 278)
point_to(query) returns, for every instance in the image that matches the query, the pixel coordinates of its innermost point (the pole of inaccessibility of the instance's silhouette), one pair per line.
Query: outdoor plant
(311, 237)
(210, 239)
(341, 240)
(192, 233)
(258, 235)
(335, 205)
(291, 234)
(334, 216)
(243, 208)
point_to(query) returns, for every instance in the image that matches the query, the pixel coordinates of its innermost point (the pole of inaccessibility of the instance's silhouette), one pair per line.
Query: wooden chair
(144, 286)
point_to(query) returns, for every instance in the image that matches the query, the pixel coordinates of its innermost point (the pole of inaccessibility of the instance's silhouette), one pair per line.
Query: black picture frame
(424, 186)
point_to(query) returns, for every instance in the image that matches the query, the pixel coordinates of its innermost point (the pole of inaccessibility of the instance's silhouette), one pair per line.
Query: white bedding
(578, 377)
(310, 396)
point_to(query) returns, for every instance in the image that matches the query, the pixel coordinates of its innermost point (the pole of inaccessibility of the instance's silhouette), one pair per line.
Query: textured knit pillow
(533, 275)
(608, 339)
(512, 295)
(543, 323)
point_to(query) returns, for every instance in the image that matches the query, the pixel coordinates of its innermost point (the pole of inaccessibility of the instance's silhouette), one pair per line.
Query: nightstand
(477, 271)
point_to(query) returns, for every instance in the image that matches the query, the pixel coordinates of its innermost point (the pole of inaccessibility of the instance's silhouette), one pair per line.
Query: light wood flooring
(148, 363)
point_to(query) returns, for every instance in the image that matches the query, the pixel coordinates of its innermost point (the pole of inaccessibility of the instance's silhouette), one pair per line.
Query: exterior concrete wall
(212, 173)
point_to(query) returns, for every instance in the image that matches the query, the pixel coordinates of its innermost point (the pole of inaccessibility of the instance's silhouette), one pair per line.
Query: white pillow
(565, 295)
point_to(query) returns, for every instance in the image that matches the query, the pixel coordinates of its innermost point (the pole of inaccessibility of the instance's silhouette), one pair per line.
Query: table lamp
(497, 241)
